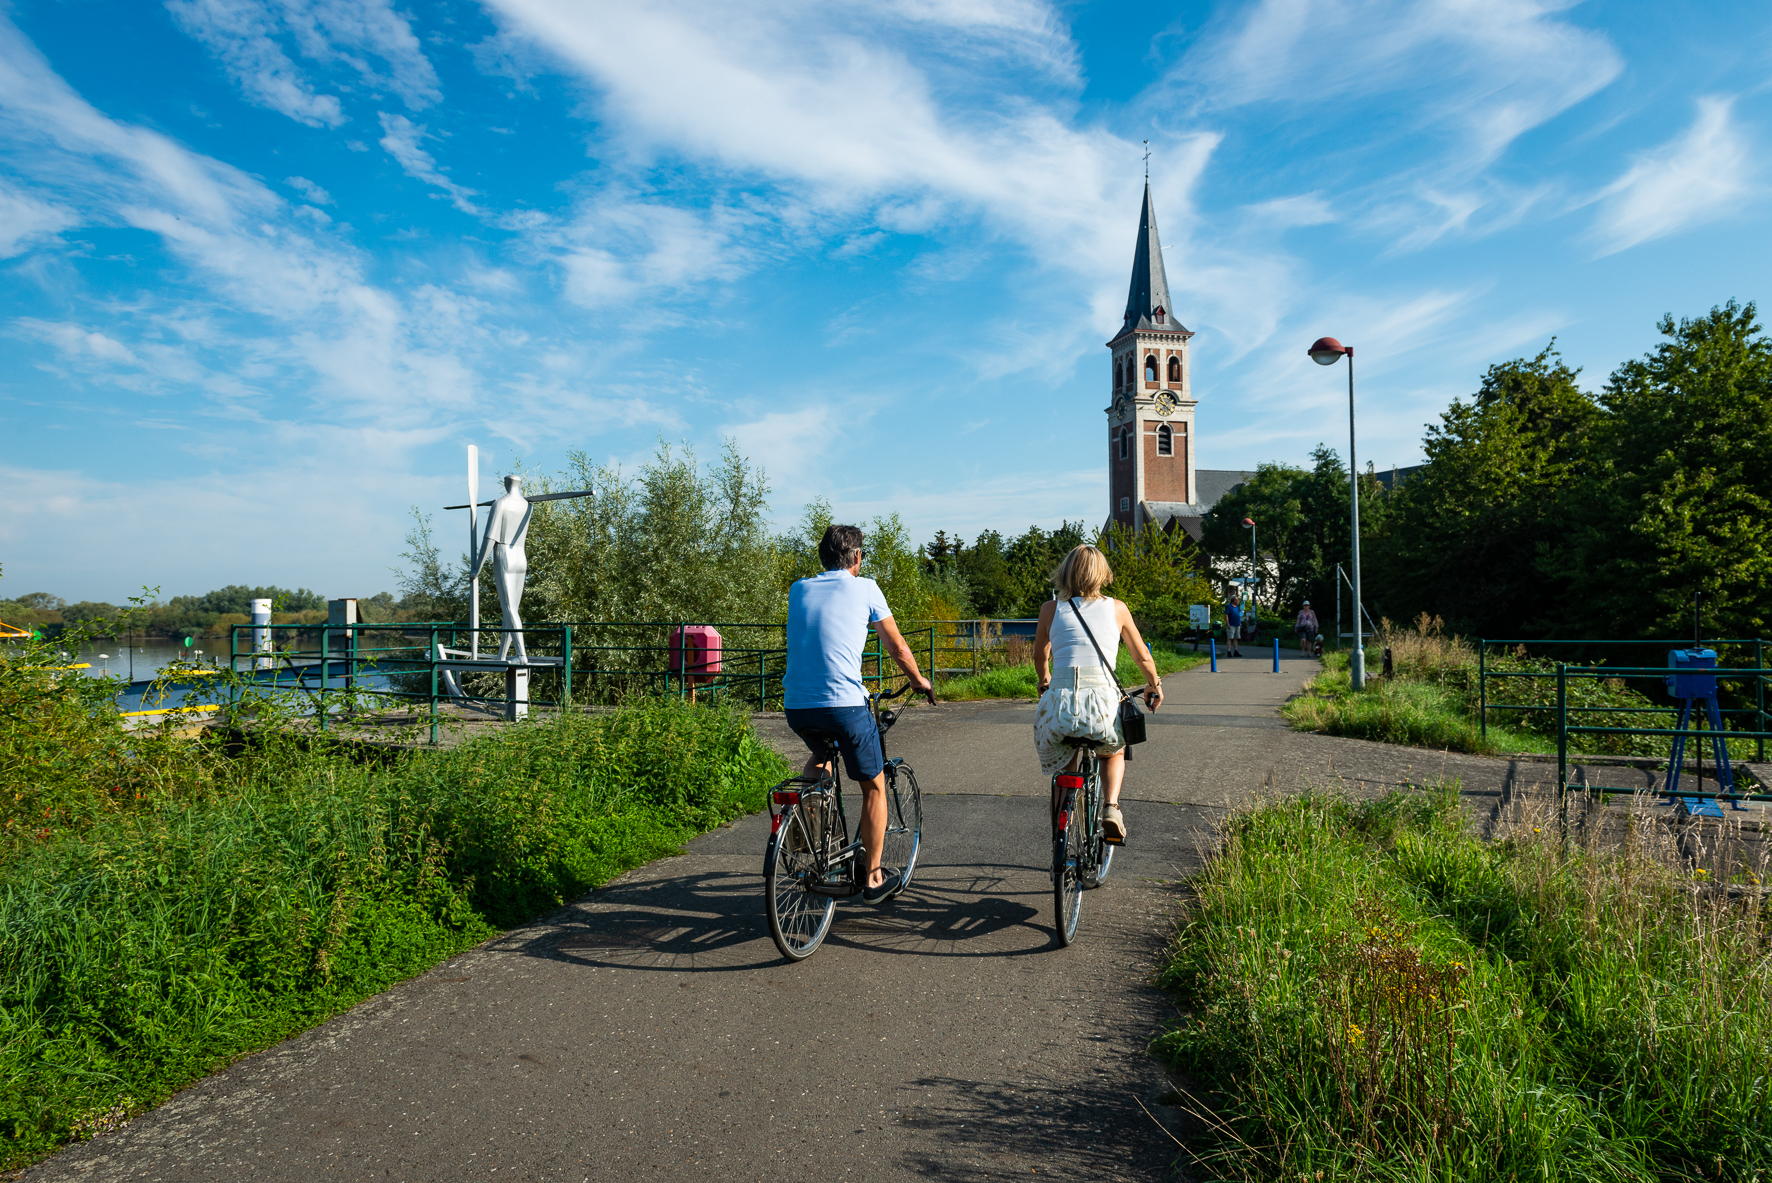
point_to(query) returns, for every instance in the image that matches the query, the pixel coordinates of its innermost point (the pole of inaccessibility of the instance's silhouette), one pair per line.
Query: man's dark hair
(839, 547)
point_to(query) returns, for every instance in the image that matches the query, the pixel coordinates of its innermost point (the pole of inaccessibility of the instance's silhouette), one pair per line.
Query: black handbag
(1131, 718)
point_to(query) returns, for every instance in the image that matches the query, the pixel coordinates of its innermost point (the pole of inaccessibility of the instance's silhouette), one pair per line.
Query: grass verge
(1407, 711)
(1017, 681)
(1372, 993)
(175, 907)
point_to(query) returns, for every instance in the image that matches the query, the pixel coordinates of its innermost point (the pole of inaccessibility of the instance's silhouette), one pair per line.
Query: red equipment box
(695, 653)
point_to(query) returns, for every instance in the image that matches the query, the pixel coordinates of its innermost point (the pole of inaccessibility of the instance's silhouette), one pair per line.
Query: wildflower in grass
(1355, 1036)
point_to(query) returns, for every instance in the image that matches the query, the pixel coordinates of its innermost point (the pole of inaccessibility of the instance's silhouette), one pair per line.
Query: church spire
(1147, 304)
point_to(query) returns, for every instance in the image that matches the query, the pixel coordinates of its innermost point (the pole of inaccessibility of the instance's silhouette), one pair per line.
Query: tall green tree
(1481, 535)
(1682, 500)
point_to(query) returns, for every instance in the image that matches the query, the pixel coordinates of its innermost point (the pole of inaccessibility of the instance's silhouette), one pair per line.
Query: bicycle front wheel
(1067, 885)
(904, 823)
(798, 919)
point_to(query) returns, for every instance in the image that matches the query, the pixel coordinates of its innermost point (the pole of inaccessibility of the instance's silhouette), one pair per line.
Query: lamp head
(1327, 351)
(1250, 522)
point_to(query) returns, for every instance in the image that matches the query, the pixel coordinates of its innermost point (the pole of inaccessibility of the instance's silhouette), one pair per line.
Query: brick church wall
(1165, 477)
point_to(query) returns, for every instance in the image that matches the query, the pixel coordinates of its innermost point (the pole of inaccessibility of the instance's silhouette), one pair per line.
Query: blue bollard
(1276, 655)
(1214, 643)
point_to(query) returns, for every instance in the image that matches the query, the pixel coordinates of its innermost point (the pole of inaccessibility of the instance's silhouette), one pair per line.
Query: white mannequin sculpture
(506, 527)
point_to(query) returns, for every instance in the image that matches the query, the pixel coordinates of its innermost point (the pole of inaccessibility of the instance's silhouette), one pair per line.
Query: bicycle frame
(825, 860)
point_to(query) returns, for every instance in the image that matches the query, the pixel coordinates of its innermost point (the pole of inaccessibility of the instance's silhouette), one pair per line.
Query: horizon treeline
(1546, 510)
(209, 614)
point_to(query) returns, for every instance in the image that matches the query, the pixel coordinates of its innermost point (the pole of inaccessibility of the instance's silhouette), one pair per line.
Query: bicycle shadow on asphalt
(713, 922)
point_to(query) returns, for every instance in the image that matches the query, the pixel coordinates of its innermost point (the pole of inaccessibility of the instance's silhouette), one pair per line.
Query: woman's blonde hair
(1084, 572)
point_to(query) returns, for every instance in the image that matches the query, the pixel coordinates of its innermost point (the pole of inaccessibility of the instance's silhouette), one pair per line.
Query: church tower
(1151, 474)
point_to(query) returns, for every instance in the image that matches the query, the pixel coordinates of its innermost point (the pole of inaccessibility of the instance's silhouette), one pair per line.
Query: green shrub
(221, 903)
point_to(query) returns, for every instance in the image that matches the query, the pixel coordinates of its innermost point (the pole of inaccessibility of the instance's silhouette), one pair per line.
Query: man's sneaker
(1113, 826)
(888, 887)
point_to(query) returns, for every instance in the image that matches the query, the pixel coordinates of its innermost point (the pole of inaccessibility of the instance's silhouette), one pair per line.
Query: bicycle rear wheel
(1067, 886)
(904, 823)
(1098, 853)
(798, 919)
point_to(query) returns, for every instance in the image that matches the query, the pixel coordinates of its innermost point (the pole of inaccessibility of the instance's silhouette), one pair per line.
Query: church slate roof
(1149, 293)
(1210, 485)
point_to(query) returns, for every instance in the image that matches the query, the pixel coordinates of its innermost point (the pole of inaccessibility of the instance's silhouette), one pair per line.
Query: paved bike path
(651, 1030)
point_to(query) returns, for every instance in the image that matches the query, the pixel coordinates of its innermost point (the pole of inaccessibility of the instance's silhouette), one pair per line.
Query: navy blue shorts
(854, 730)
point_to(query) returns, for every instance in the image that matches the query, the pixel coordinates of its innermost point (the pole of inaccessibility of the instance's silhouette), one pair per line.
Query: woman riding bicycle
(1077, 692)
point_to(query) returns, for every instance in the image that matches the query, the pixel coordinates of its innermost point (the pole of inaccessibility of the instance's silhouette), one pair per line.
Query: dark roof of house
(1149, 291)
(1393, 476)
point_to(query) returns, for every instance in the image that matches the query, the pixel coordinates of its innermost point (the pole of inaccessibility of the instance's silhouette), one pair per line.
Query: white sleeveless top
(1070, 644)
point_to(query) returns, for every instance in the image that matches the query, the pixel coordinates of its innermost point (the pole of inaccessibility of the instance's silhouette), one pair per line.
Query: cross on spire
(1147, 161)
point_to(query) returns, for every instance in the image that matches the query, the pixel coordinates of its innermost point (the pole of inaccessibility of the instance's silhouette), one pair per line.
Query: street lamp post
(1326, 352)
(1254, 582)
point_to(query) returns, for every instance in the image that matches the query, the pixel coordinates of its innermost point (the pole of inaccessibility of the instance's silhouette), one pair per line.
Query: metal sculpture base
(516, 704)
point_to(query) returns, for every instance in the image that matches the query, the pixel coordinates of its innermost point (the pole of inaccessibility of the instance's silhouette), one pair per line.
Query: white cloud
(26, 220)
(240, 32)
(248, 36)
(277, 302)
(1491, 68)
(1704, 173)
(621, 249)
(309, 190)
(401, 137)
(346, 30)
(77, 341)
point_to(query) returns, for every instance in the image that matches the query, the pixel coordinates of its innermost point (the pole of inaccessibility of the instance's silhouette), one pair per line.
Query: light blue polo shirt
(828, 618)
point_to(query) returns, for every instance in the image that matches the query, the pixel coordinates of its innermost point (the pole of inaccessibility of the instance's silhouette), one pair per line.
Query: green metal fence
(1698, 732)
(343, 667)
(1756, 713)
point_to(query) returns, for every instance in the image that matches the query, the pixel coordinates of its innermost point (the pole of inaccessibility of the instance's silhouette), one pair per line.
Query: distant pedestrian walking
(1233, 625)
(1306, 627)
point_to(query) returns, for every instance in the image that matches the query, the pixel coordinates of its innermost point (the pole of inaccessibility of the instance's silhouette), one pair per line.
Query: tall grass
(1373, 993)
(1432, 700)
(174, 906)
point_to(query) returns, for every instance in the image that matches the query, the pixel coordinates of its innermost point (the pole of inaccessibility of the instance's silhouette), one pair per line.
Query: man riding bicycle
(822, 691)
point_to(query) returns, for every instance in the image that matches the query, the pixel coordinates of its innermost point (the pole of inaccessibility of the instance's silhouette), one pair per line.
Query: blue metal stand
(1695, 685)
(1214, 641)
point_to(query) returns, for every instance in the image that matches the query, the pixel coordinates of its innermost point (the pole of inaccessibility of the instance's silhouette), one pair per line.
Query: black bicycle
(811, 862)
(1080, 855)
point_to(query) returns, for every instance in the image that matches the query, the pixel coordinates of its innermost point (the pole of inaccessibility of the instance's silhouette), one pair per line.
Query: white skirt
(1081, 701)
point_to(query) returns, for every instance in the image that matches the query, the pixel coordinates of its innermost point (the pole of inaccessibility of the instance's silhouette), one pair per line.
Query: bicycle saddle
(824, 743)
(1080, 741)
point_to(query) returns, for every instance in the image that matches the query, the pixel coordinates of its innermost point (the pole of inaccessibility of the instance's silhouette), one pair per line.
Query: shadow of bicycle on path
(713, 921)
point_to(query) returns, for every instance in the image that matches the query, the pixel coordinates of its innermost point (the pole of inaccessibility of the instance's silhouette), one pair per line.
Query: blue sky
(271, 264)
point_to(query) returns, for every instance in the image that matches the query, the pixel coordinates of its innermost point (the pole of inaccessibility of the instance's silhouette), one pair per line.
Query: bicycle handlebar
(883, 696)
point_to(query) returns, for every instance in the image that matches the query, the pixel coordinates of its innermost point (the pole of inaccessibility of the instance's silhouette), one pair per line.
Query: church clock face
(1165, 403)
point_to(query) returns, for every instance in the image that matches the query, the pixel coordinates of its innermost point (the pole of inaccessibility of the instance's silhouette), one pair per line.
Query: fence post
(1483, 687)
(1760, 697)
(762, 681)
(325, 666)
(433, 657)
(1562, 730)
(565, 668)
(931, 674)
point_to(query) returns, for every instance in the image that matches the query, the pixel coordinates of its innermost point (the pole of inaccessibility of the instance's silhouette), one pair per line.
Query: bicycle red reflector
(787, 797)
(1070, 782)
